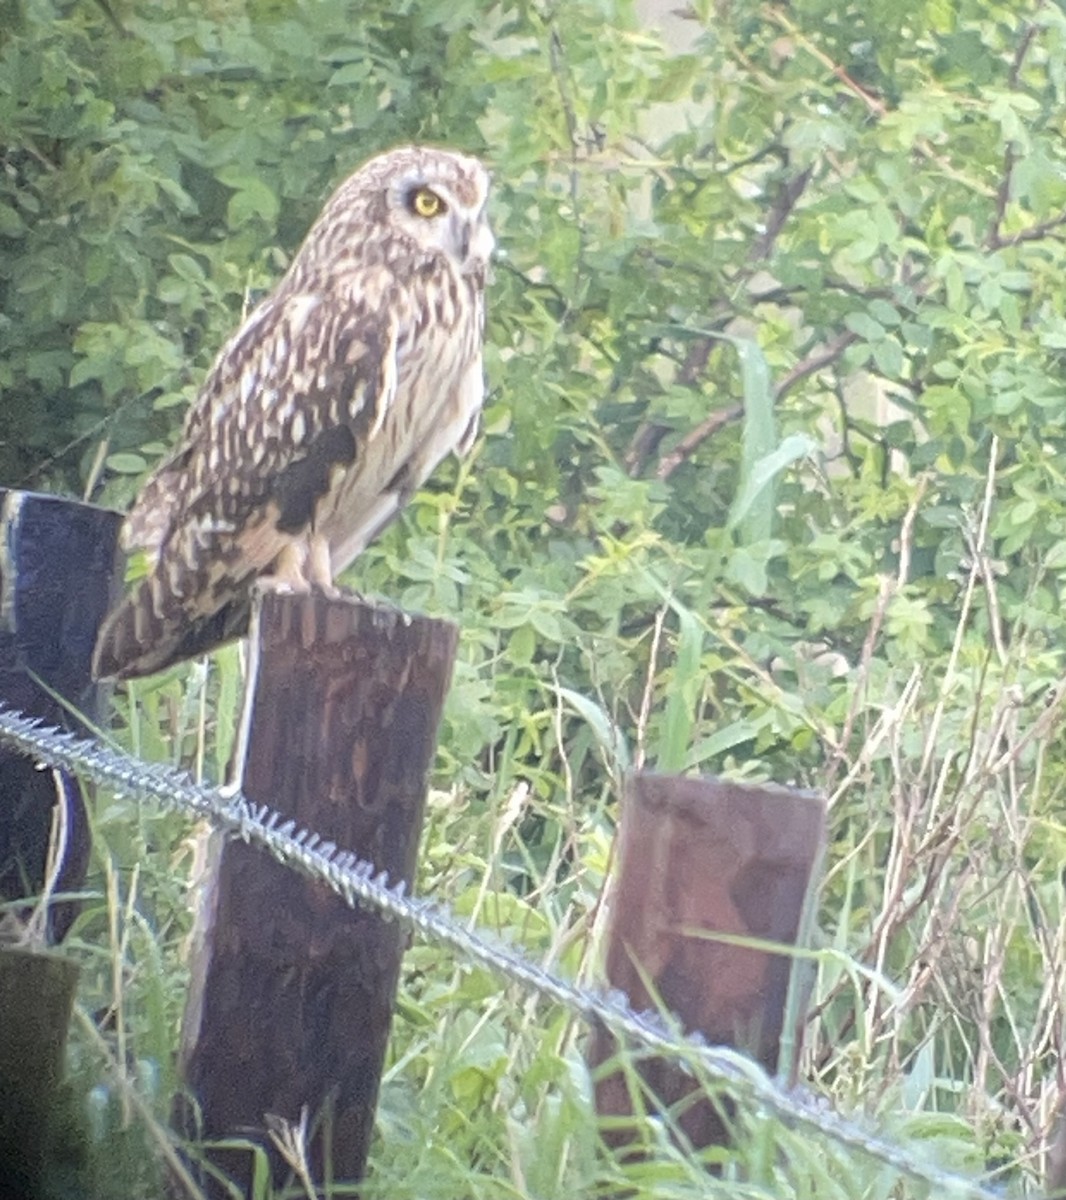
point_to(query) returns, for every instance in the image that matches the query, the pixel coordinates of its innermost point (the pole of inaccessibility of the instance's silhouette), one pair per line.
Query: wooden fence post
(698, 857)
(58, 576)
(292, 992)
(36, 999)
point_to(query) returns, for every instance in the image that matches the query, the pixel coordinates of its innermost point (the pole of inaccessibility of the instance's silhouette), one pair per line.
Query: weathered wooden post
(58, 575)
(699, 858)
(292, 993)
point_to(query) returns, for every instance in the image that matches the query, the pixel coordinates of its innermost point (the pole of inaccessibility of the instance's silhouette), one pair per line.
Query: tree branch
(1033, 234)
(781, 210)
(995, 240)
(649, 436)
(692, 440)
(874, 104)
(826, 354)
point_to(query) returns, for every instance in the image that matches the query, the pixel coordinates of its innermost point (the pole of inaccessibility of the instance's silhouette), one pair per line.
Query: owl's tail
(140, 638)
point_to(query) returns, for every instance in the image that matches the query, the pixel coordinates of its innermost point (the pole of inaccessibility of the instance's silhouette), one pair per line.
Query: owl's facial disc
(436, 217)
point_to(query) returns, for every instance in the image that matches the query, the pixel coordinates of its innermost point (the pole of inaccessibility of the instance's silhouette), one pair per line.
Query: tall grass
(939, 956)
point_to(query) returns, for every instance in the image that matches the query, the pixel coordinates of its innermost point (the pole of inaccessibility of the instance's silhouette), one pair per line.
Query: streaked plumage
(322, 414)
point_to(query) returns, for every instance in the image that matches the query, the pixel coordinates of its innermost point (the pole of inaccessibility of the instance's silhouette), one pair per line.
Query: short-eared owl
(321, 415)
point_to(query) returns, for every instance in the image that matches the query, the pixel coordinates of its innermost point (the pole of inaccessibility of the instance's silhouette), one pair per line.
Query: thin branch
(780, 211)
(1020, 54)
(877, 107)
(1034, 233)
(36, 154)
(690, 443)
(560, 70)
(643, 446)
(994, 240)
(824, 356)
(645, 443)
(109, 12)
(695, 438)
(888, 589)
(650, 435)
(556, 57)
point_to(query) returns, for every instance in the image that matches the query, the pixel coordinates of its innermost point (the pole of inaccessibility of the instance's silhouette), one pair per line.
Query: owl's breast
(433, 409)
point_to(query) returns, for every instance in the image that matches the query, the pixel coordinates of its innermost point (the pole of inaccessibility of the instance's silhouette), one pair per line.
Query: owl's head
(419, 199)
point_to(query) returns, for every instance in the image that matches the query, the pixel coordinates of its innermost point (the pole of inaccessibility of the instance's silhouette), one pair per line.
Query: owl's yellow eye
(426, 203)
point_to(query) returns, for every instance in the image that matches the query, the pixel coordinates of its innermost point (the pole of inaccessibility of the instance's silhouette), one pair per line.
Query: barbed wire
(356, 880)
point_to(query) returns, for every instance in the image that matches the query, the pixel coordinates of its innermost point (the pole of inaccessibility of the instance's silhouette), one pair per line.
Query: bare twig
(37, 926)
(1040, 728)
(888, 589)
(640, 752)
(874, 105)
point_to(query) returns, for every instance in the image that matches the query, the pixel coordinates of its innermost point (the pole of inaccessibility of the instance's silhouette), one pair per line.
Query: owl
(322, 414)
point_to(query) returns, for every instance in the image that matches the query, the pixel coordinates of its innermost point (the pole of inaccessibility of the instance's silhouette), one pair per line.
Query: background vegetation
(771, 484)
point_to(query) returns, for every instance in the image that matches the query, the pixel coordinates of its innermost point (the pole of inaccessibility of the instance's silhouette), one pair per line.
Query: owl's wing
(293, 396)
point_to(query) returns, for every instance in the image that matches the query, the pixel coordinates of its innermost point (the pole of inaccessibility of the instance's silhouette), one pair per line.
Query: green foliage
(770, 485)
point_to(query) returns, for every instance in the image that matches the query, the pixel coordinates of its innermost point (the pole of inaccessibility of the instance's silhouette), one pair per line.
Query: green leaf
(254, 200)
(522, 645)
(749, 570)
(736, 733)
(755, 522)
(792, 449)
(686, 684)
(865, 326)
(11, 223)
(888, 355)
(127, 463)
(610, 738)
(350, 74)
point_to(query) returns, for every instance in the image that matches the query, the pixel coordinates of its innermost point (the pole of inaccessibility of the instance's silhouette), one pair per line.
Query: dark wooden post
(58, 576)
(292, 993)
(698, 857)
(36, 998)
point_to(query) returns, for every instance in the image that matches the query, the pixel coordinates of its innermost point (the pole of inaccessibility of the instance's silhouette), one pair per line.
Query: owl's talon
(282, 587)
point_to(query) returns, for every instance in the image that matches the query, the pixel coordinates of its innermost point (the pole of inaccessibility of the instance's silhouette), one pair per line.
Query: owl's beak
(474, 244)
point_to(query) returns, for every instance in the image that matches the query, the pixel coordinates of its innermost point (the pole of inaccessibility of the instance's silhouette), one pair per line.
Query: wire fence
(358, 882)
